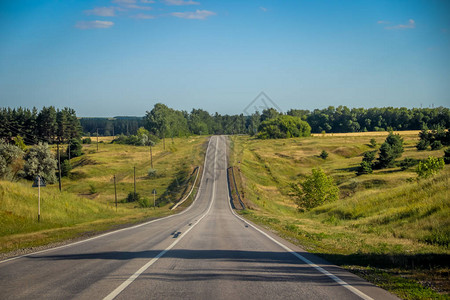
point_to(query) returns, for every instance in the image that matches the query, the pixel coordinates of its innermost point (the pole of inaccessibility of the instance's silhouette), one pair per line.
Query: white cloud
(93, 24)
(194, 15)
(101, 11)
(383, 22)
(124, 1)
(263, 9)
(144, 16)
(180, 2)
(140, 7)
(410, 25)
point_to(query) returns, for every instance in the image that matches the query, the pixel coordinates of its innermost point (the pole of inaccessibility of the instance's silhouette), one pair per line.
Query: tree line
(49, 125)
(342, 119)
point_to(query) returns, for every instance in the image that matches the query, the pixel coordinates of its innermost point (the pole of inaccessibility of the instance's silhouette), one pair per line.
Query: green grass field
(386, 226)
(86, 204)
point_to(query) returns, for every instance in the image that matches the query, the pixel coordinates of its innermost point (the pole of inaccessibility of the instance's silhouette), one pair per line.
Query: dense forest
(53, 125)
(111, 126)
(165, 121)
(49, 125)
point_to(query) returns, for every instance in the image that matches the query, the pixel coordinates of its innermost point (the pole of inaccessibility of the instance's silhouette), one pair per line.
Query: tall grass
(387, 216)
(86, 202)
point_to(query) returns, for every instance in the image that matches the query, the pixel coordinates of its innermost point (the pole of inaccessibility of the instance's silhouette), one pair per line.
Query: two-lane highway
(205, 252)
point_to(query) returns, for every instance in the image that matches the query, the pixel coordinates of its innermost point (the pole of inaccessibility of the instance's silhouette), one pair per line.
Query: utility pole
(39, 198)
(59, 166)
(134, 183)
(151, 156)
(97, 139)
(115, 191)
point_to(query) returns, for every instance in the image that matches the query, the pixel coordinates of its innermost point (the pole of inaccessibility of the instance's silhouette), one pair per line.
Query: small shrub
(429, 167)
(66, 167)
(422, 145)
(407, 163)
(436, 145)
(152, 173)
(11, 160)
(18, 141)
(373, 143)
(92, 189)
(447, 156)
(324, 154)
(132, 197)
(144, 202)
(365, 168)
(315, 190)
(74, 148)
(87, 140)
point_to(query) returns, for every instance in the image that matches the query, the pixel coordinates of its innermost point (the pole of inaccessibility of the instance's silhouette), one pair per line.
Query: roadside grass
(86, 203)
(387, 224)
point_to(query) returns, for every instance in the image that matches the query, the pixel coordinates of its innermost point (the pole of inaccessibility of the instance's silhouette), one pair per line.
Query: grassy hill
(86, 204)
(386, 226)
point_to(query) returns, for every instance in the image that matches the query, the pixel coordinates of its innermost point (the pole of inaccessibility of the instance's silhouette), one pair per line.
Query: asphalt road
(205, 252)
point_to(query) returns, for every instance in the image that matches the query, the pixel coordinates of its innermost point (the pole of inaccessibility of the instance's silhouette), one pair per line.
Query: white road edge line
(112, 232)
(127, 282)
(304, 259)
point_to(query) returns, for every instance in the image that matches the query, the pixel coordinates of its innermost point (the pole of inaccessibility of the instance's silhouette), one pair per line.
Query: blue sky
(109, 58)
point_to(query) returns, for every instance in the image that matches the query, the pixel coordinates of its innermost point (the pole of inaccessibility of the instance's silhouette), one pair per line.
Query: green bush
(429, 167)
(87, 140)
(11, 161)
(447, 156)
(436, 145)
(422, 145)
(66, 167)
(132, 197)
(373, 143)
(152, 173)
(365, 168)
(324, 154)
(92, 189)
(74, 148)
(315, 190)
(18, 141)
(39, 160)
(283, 127)
(408, 162)
(144, 202)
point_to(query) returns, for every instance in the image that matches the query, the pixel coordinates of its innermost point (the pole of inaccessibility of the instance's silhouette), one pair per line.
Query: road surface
(205, 252)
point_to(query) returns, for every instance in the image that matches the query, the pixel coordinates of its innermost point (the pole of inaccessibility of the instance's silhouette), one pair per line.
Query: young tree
(429, 167)
(315, 190)
(367, 163)
(40, 161)
(390, 150)
(74, 148)
(324, 154)
(11, 160)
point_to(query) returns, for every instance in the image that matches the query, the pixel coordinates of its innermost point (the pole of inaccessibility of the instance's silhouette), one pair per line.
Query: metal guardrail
(236, 189)
(187, 196)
